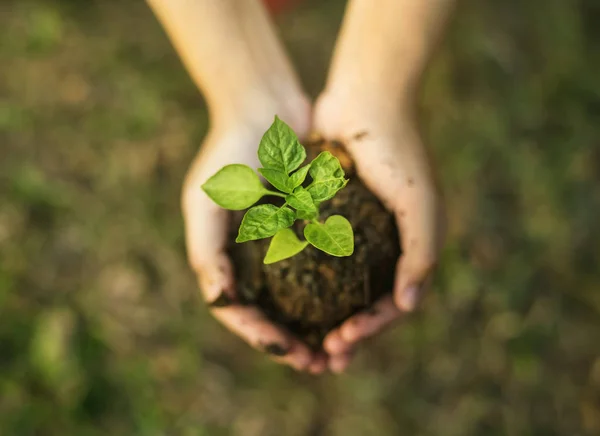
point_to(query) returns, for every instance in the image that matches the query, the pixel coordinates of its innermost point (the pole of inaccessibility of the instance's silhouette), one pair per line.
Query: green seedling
(238, 187)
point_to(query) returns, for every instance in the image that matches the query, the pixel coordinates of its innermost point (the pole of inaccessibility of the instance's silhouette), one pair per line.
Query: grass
(102, 329)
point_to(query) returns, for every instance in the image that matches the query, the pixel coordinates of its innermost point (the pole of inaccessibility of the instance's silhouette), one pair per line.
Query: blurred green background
(102, 331)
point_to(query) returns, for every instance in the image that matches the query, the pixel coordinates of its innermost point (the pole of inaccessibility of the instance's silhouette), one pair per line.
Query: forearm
(384, 45)
(231, 51)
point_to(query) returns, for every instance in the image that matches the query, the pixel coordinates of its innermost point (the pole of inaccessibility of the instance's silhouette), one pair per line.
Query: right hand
(384, 140)
(206, 225)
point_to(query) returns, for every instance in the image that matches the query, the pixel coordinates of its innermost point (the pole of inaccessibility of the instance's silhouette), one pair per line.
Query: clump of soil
(313, 292)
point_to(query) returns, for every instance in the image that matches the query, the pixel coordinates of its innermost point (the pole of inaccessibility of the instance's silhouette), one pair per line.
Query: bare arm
(385, 45)
(230, 49)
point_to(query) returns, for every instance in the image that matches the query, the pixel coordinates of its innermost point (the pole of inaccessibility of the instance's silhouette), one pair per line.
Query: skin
(231, 51)
(369, 105)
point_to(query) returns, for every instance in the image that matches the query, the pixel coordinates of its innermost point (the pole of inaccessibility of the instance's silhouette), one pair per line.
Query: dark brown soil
(313, 292)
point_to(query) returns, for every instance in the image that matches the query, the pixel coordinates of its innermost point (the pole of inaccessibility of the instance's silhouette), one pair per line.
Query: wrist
(384, 47)
(368, 100)
(255, 109)
(347, 114)
(396, 94)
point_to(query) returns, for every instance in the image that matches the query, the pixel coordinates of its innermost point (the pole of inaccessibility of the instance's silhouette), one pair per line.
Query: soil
(313, 292)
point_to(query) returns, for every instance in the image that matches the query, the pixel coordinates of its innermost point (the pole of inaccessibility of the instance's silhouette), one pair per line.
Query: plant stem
(278, 194)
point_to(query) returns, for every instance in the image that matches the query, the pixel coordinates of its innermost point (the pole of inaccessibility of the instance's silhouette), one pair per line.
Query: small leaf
(327, 175)
(334, 237)
(325, 189)
(301, 200)
(276, 178)
(234, 187)
(326, 166)
(284, 244)
(297, 178)
(279, 148)
(264, 221)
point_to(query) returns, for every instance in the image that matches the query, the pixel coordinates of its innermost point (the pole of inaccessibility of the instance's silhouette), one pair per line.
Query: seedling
(237, 187)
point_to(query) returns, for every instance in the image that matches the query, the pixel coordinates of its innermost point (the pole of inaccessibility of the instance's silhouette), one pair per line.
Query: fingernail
(276, 349)
(409, 297)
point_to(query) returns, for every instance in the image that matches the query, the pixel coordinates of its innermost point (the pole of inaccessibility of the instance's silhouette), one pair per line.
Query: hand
(235, 141)
(383, 139)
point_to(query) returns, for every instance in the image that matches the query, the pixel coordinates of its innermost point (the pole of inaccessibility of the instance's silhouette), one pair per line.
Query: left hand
(234, 140)
(384, 141)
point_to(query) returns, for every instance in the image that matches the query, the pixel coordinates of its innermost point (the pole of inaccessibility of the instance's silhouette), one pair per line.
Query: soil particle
(275, 349)
(223, 300)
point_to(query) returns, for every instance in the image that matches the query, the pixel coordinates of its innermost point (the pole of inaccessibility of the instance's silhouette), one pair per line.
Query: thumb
(215, 280)
(205, 235)
(419, 219)
(412, 273)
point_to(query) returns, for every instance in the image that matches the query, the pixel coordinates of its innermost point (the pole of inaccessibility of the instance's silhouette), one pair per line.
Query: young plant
(237, 187)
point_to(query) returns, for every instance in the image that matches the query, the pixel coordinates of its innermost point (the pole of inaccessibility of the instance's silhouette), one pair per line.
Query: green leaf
(326, 166)
(276, 178)
(264, 221)
(279, 148)
(297, 178)
(306, 215)
(334, 237)
(325, 189)
(328, 177)
(301, 200)
(284, 244)
(234, 187)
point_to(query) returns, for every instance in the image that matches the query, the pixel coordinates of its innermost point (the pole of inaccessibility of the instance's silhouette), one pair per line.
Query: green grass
(102, 330)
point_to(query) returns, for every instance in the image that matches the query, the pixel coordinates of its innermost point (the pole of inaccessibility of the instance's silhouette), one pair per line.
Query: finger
(318, 365)
(206, 227)
(216, 281)
(251, 325)
(334, 343)
(419, 218)
(248, 322)
(339, 362)
(371, 321)
(344, 339)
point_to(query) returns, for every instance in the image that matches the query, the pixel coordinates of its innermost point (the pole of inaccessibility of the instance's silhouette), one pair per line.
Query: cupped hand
(384, 141)
(206, 224)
